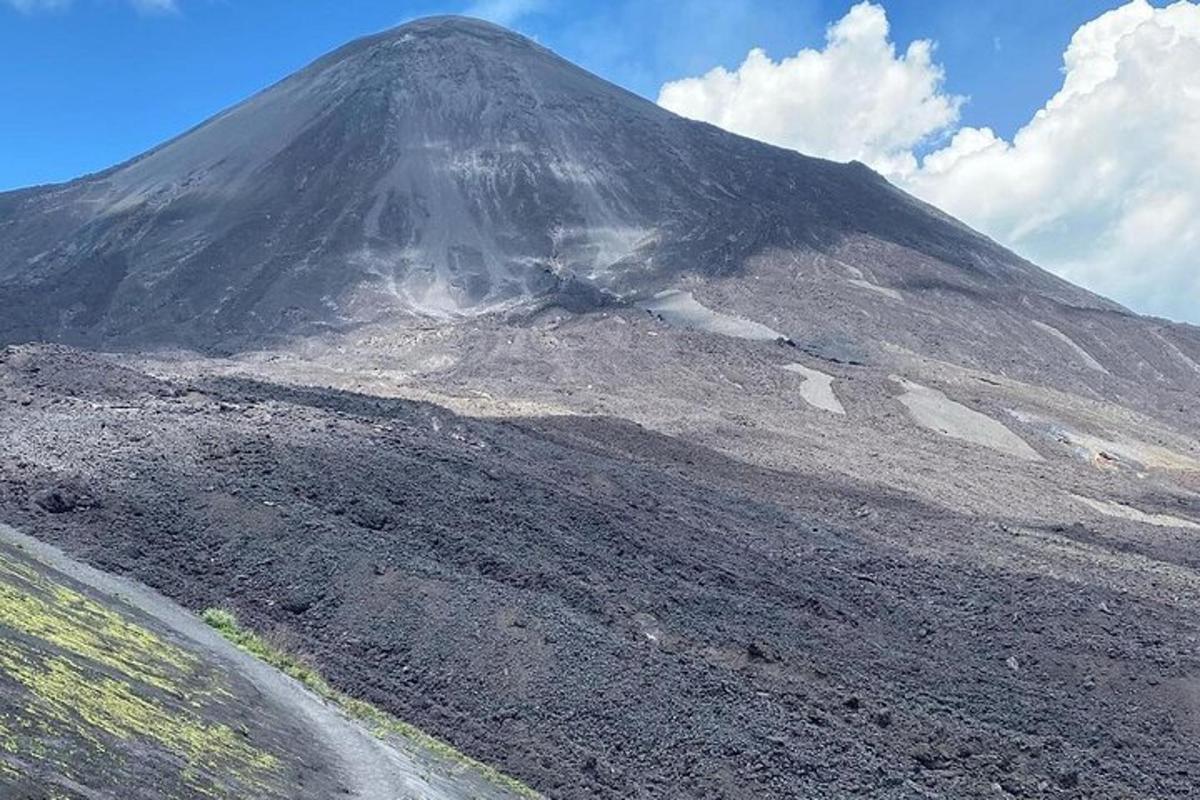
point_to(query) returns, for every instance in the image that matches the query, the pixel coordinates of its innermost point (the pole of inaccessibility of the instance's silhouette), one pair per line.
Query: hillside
(635, 458)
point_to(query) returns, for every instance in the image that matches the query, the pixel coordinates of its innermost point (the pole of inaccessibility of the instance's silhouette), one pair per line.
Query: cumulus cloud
(855, 99)
(503, 12)
(1102, 185)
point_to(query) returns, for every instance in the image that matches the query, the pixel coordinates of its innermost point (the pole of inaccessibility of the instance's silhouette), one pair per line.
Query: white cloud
(143, 6)
(855, 99)
(155, 6)
(1102, 185)
(29, 6)
(503, 12)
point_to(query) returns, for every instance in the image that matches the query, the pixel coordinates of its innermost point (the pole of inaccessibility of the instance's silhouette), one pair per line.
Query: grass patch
(378, 721)
(226, 623)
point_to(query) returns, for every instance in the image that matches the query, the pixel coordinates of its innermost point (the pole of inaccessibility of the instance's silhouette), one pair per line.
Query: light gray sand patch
(931, 409)
(817, 389)
(682, 309)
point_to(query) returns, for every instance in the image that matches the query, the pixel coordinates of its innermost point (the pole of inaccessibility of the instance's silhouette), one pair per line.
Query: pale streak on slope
(1084, 355)
(1121, 511)
(874, 287)
(1174, 349)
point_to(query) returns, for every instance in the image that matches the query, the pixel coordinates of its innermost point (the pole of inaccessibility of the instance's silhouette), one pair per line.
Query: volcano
(629, 456)
(446, 168)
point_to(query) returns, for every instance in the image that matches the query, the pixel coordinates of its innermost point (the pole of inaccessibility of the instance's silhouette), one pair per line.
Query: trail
(370, 768)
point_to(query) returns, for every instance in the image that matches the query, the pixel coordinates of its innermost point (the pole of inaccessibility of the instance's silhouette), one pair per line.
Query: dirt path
(371, 769)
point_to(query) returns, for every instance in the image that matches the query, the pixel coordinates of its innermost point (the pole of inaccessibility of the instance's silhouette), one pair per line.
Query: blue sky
(91, 84)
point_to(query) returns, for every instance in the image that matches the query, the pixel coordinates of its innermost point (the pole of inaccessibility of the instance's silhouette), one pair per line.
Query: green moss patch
(87, 695)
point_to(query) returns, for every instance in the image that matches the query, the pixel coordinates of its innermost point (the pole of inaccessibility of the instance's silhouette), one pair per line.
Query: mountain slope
(444, 168)
(609, 613)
